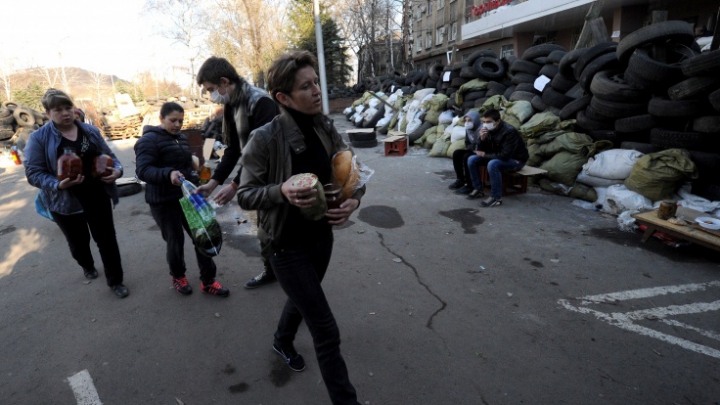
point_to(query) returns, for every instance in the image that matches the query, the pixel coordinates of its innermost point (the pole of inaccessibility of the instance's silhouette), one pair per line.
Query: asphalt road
(438, 302)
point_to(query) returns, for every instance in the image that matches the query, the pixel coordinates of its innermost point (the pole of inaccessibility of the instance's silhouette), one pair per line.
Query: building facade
(450, 30)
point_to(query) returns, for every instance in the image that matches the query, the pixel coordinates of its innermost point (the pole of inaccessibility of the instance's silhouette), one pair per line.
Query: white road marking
(84, 389)
(648, 292)
(626, 320)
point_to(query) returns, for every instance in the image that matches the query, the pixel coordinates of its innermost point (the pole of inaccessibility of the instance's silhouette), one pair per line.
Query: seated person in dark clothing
(501, 149)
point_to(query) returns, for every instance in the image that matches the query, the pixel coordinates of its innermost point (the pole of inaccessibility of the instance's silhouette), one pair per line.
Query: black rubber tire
(524, 66)
(592, 54)
(4, 112)
(562, 83)
(552, 98)
(704, 64)
(7, 120)
(474, 95)
(606, 135)
(661, 107)
(543, 60)
(693, 87)
(541, 50)
(708, 164)
(710, 191)
(509, 91)
(528, 87)
(469, 72)
(615, 110)
(590, 113)
(637, 123)
(708, 125)
(129, 189)
(567, 63)
(458, 81)
(435, 72)
(640, 147)
(611, 86)
(21, 137)
(383, 130)
(521, 95)
(523, 78)
(607, 61)
(495, 87)
(556, 56)
(10, 105)
(538, 104)
(365, 144)
(490, 68)
(572, 108)
(667, 139)
(24, 116)
(649, 70)
(576, 92)
(431, 83)
(549, 70)
(483, 53)
(457, 66)
(714, 99)
(677, 31)
(479, 102)
(6, 132)
(592, 125)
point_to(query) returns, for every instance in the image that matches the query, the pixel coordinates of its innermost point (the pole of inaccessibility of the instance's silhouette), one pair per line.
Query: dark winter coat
(157, 154)
(504, 143)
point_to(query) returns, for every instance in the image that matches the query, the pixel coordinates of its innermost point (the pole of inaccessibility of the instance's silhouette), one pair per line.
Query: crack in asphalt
(417, 277)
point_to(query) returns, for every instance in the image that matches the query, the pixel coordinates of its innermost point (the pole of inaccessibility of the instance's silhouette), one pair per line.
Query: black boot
(266, 277)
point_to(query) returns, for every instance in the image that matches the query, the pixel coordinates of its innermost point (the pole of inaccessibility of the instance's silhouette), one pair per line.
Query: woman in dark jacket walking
(300, 140)
(85, 202)
(163, 158)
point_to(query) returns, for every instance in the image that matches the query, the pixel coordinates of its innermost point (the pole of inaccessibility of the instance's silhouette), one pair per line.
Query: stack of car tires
(17, 122)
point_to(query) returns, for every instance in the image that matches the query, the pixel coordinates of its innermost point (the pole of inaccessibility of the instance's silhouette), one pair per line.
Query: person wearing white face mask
(501, 149)
(246, 108)
(460, 157)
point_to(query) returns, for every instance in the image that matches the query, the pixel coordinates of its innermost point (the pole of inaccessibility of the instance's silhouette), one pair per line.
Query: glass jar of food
(102, 166)
(69, 165)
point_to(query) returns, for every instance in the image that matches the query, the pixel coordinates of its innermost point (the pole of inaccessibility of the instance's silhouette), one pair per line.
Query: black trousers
(170, 218)
(96, 220)
(300, 272)
(460, 158)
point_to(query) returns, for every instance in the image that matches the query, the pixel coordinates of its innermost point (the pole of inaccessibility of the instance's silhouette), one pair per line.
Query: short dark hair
(492, 114)
(281, 75)
(55, 98)
(214, 68)
(169, 108)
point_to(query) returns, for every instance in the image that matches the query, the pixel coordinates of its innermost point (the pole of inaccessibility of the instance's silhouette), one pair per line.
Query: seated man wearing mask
(460, 157)
(501, 149)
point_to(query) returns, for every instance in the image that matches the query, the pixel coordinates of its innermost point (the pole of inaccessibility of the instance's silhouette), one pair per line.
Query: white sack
(614, 164)
(620, 199)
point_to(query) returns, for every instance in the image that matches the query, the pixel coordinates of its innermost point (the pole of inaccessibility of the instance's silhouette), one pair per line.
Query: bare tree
(187, 25)
(99, 81)
(6, 71)
(48, 76)
(249, 33)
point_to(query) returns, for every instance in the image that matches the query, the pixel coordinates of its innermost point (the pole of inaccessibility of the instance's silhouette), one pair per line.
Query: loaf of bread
(344, 174)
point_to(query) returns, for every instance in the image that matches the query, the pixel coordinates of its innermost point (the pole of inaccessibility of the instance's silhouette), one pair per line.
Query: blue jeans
(495, 168)
(300, 272)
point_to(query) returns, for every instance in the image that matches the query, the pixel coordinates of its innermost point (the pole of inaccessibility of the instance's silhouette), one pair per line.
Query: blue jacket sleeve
(36, 164)
(146, 158)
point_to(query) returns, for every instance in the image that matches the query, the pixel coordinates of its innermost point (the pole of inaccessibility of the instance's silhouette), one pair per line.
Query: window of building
(507, 50)
(418, 43)
(453, 11)
(418, 12)
(441, 4)
(440, 18)
(429, 7)
(453, 31)
(428, 40)
(440, 35)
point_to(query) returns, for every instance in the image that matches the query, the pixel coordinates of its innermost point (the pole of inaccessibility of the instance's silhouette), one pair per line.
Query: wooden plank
(592, 14)
(716, 37)
(598, 30)
(686, 232)
(530, 171)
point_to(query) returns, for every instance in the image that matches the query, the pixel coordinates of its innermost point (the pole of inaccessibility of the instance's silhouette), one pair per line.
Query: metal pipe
(321, 57)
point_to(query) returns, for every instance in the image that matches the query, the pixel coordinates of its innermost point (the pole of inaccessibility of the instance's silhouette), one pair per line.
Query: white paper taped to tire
(613, 164)
(446, 77)
(620, 199)
(541, 82)
(458, 133)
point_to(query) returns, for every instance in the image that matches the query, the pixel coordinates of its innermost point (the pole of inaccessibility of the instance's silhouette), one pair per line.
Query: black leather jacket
(504, 143)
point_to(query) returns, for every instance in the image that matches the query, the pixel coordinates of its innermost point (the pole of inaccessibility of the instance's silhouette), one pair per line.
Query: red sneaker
(214, 288)
(182, 286)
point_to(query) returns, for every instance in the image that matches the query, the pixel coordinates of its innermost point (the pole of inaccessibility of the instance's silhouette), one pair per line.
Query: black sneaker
(475, 194)
(293, 359)
(90, 274)
(120, 290)
(214, 288)
(491, 202)
(464, 190)
(182, 286)
(456, 185)
(260, 280)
